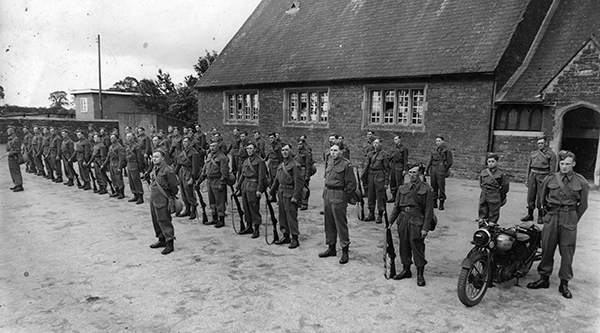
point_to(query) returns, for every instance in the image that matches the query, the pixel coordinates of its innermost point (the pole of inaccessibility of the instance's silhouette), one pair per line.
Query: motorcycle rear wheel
(473, 282)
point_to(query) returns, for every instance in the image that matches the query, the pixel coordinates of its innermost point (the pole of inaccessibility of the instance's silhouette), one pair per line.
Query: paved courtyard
(74, 261)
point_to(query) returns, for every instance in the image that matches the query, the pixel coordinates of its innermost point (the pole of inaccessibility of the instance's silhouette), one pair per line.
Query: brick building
(87, 103)
(411, 67)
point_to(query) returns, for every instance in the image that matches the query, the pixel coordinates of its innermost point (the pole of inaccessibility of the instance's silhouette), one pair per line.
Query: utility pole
(100, 78)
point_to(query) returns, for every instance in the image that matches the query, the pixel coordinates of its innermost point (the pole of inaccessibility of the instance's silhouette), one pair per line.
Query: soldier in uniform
(494, 186)
(414, 210)
(36, 151)
(105, 137)
(252, 182)
(274, 156)
(188, 172)
(136, 165)
(234, 149)
(175, 146)
(46, 137)
(288, 186)
(26, 148)
(306, 162)
(340, 185)
(399, 165)
(540, 164)
(56, 154)
(115, 162)
(564, 198)
(260, 145)
(162, 175)
(67, 150)
(200, 139)
(367, 149)
(438, 167)
(83, 153)
(377, 170)
(99, 152)
(216, 170)
(145, 143)
(13, 150)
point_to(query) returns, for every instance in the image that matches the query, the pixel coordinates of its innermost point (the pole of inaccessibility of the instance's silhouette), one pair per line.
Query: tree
(59, 99)
(128, 84)
(205, 62)
(183, 104)
(1, 92)
(151, 97)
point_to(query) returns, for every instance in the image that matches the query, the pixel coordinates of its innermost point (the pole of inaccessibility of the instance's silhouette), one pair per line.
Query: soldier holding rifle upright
(251, 183)
(216, 170)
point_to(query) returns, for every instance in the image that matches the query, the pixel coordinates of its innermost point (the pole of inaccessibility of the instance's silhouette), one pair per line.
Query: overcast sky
(51, 45)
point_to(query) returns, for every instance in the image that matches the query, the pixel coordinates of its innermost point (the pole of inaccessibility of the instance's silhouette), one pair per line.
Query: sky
(50, 46)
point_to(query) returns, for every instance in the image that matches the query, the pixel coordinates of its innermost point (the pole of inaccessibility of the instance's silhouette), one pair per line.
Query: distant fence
(70, 124)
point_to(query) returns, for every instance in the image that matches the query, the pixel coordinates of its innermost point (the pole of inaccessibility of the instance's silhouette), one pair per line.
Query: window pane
(232, 106)
(524, 119)
(240, 106)
(403, 106)
(314, 106)
(536, 120)
(303, 106)
(388, 115)
(324, 107)
(501, 119)
(417, 106)
(512, 120)
(255, 107)
(248, 107)
(376, 106)
(294, 106)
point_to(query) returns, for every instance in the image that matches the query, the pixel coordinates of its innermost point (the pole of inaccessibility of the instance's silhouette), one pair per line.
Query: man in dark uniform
(145, 143)
(260, 145)
(340, 185)
(274, 156)
(252, 182)
(115, 162)
(136, 165)
(200, 139)
(216, 170)
(55, 154)
(399, 165)
(234, 149)
(289, 182)
(99, 152)
(162, 175)
(105, 137)
(175, 147)
(439, 169)
(188, 171)
(377, 170)
(36, 151)
(13, 150)
(46, 137)
(67, 150)
(83, 153)
(306, 162)
(564, 197)
(494, 187)
(367, 148)
(414, 210)
(540, 164)
(27, 152)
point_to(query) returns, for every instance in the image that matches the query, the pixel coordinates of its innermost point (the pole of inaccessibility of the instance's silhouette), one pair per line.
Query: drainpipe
(490, 143)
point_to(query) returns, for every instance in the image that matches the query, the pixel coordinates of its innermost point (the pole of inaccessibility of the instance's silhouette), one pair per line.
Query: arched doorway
(581, 130)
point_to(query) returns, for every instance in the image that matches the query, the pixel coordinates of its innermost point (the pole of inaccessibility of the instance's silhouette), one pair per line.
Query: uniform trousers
(396, 180)
(534, 182)
(217, 199)
(83, 171)
(336, 222)
(376, 190)
(187, 191)
(55, 161)
(560, 229)
(438, 182)
(15, 170)
(489, 206)
(288, 214)
(117, 177)
(161, 220)
(251, 202)
(135, 181)
(412, 245)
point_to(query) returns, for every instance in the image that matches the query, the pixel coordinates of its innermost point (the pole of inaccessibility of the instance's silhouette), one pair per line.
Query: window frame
(304, 119)
(247, 114)
(504, 124)
(384, 118)
(83, 105)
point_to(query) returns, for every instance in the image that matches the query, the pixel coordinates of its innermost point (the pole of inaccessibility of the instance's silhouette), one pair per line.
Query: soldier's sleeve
(553, 163)
(262, 176)
(16, 147)
(173, 182)
(106, 160)
(543, 191)
(395, 211)
(449, 159)
(224, 167)
(428, 163)
(405, 159)
(141, 160)
(195, 166)
(350, 179)
(428, 217)
(505, 184)
(386, 168)
(121, 155)
(87, 151)
(299, 181)
(583, 197)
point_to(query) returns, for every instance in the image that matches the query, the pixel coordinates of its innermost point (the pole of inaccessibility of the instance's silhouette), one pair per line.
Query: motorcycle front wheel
(473, 282)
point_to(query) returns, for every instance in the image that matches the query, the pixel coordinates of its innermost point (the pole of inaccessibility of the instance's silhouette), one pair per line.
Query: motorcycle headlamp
(482, 237)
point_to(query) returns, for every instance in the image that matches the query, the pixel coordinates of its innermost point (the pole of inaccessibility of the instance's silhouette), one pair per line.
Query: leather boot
(121, 193)
(441, 205)
(169, 248)
(248, 230)
(420, 277)
(540, 220)
(86, 186)
(102, 190)
(294, 243)
(344, 258)
(116, 194)
(564, 289)
(215, 220)
(330, 252)
(371, 216)
(405, 274)
(192, 212)
(140, 199)
(187, 210)
(542, 283)
(134, 199)
(70, 182)
(18, 188)
(256, 232)
(221, 222)
(435, 203)
(160, 243)
(285, 240)
(379, 217)
(529, 216)
(58, 180)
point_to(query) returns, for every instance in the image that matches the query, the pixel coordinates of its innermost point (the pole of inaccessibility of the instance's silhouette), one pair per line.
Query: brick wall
(458, 109)
(70, 124)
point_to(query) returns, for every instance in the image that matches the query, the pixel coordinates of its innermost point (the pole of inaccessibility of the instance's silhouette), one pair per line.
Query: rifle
(112, 189)
(3, 156)
(76, 177)
(389, 253)
(273, 222)
(202, 203)
(240, 212)
(89, 168)
(361, 209)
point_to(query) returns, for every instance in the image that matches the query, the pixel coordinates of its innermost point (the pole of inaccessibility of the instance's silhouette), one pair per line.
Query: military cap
(65, 130)
(25, 127)
(79, 130)
(11, 126)
(161, 131)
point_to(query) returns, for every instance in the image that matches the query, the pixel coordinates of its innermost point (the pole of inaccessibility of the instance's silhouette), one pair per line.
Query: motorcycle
(498, 255)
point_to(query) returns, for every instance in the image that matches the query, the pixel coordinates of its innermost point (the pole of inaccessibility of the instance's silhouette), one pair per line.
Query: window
(395, 106)
(519, 118)
(241, 107)
(306, 107)
(83, 104)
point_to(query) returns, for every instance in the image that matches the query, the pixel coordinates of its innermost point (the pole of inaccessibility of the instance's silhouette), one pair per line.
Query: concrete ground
(74, 261)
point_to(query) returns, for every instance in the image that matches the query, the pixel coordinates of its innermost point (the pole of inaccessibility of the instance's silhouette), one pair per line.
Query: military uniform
(136, 164)
(68, 152)
(36, 152)
(27, 152)
(188, 170)
(540, 164)
(494, 186)
(260, 148)
(377, 170)
(288, 186)
(439, 168)
(175, 147)
(275, 158)
(216, 171)
(399, 166)
(253, 179)
(115, 160)
(46, 155)
(164, 177)
(83, 153)
(55, 156)
(13, 148)
(306, 162)
(99, 152)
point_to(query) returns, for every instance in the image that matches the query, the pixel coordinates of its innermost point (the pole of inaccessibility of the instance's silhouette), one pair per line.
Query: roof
(104, 92)
(353, 39)
(572, 25)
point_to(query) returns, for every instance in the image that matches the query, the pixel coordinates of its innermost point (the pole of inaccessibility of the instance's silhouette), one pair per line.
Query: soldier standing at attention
(564, 197)
(162, 176)
(494, 186)
(188, 172)
(377, 170)
(175, 146)
(399, 165)
(260, 145)
(289, 182)
(26, 148)
(115, 160)
(340, 184)
(274, 157)
(67, 150)
(46, 137)
(99, 152)
(200, 139)
(367, 148)
(414, 210)
(439, 169)
(13, 150)
(83, 153)
(234, 149)
(252, 182)
(36, 148)
(306, 162)
(540, 164)
(136, 164)
(216, 170)
(145, 143)
(55, 154)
